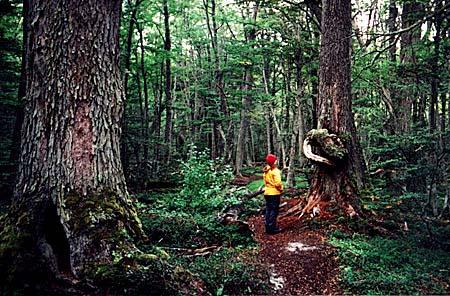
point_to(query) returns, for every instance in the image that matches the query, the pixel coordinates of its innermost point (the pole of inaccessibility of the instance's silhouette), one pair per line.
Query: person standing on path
(272, 193)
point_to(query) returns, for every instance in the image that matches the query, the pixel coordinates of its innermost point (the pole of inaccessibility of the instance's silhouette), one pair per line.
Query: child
(272, 192)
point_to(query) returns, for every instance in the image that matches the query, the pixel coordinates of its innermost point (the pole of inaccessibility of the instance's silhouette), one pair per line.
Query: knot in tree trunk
(329, 149)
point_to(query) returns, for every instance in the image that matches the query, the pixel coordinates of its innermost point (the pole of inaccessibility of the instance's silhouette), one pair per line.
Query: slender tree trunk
(392, 27)
(268, 132)
(246, 103)
(142, 117)
(125, 76)
(288, 90)
(71, 206)
(280, 139)
(168, 77)
(435, 83)
(332, 182)
(145, 119)
(267, 116)
(298, 120)
(390, 92)
(410, 12)
(218, 73)
(246, 99)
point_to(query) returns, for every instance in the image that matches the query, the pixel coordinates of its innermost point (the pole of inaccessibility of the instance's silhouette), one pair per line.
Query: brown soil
(298, 260)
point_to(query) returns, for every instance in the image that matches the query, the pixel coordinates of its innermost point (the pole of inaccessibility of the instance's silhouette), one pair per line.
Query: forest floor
(299, 260)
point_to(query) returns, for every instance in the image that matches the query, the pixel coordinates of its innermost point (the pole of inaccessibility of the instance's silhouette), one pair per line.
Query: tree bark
(334, 183)
(71, 204)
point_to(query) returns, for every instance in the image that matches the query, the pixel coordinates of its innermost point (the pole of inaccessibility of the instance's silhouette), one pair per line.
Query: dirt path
(299, 261)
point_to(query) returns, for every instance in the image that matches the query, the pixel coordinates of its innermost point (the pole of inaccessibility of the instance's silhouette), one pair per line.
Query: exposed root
(313, 202)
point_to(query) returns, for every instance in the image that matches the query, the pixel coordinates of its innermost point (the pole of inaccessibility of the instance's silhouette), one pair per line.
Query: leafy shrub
(204, 181)
(189, 218)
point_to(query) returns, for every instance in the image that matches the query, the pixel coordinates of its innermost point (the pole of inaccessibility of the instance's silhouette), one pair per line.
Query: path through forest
(299, 261)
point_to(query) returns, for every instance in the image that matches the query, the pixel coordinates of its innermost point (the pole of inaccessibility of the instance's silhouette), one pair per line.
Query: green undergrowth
(228, 271)
(188, 219)
(397, 248)
(385, 266)
(255, 185)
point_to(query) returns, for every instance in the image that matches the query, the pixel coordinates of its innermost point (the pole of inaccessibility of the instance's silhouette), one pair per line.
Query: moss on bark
(331, 145)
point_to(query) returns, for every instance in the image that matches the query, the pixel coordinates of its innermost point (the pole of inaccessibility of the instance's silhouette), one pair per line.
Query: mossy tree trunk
(336, 183)
(71, 201)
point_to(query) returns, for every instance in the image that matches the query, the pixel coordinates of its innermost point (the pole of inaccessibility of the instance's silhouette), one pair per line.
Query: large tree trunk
(332, 181)
(71, 206)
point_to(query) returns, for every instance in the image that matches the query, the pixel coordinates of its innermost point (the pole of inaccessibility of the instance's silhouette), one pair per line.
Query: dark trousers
(272, 204)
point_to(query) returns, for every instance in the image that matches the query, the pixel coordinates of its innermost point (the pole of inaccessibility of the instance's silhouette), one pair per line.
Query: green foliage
(188, 219)
(382, 266)
(184, 228)
(229, 272)
(255, 185)
(301, 182)
(203, 181)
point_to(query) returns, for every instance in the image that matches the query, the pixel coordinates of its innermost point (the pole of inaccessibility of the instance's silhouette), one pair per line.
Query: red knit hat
(270, 159)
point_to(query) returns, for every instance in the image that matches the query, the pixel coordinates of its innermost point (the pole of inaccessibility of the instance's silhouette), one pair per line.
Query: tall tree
(408, 58)
(336, 137)
(250, 36)
(168, 84)
(125, 75)
(71, 208)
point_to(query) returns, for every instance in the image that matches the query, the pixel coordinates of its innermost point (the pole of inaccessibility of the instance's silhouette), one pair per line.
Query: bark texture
(71, 199)
(334, 183)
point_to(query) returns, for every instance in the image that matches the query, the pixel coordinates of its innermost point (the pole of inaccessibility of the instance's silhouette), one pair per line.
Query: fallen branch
(254, 194)
(195, 252)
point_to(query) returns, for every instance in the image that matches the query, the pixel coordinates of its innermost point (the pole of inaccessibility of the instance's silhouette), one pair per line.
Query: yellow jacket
(272, 181)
